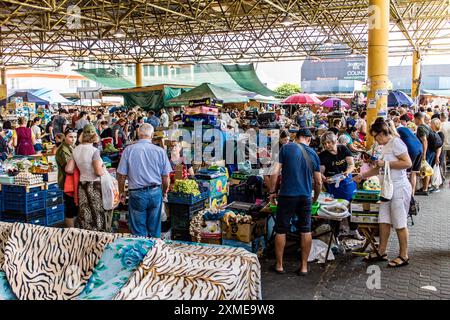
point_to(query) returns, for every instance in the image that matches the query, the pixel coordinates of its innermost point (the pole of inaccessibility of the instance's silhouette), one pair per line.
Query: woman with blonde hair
(436, 125)
(91, 214)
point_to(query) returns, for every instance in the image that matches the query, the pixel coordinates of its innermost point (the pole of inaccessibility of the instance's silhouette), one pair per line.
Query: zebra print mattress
(5, 229)
(175, 271)
(50, 263)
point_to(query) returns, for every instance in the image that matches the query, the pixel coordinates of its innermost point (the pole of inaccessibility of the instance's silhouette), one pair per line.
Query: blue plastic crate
(53, 187)
(53, 209)
(55, 217)
(19, 189)
(177, 197)
(24, 197)
(37, 218)
(54, 193)
(25, 207)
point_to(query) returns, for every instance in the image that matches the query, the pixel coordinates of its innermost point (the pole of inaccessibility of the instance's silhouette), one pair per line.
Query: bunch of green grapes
(186, 187)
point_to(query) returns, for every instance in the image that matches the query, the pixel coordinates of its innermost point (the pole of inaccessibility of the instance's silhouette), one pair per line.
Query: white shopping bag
(436, 179)
(387, 187)
(110, 191)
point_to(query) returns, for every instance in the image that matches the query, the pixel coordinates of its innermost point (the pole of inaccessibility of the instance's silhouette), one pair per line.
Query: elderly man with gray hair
(147, 168)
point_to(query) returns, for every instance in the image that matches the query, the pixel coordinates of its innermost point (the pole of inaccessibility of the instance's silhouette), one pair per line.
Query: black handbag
(413, 207)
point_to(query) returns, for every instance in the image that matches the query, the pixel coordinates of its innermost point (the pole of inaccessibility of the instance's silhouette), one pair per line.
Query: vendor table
(369, 230)
(334, 228)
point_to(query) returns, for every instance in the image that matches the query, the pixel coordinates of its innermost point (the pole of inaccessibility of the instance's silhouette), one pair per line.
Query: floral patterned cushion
(119, 261)
(5, 289)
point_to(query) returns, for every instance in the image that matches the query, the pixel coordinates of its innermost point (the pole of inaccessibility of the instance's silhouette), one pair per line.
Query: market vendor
(337, 159)
(336, 167)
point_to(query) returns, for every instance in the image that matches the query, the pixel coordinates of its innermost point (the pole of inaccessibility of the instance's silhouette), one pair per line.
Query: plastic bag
(319, 251)
(436, 180)
(110, 191)
(387, 187)
(425, 169)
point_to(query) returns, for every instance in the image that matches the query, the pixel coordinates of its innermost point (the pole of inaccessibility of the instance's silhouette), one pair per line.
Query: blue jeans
(145, 212)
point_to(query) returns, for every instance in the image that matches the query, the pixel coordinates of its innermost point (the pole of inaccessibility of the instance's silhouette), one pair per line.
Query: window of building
(145, 67)
(85, 83)
(130, 70)
(152, 71)
(73, 84)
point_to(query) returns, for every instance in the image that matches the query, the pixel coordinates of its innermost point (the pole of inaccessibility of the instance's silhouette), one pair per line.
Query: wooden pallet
(27, 187)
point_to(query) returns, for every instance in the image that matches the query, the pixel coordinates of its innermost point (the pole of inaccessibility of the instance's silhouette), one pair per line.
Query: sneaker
(355, 235)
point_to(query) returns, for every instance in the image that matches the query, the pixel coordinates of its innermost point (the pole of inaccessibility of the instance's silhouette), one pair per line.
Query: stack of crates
(180, 218)
(24, 204)
(54, 205)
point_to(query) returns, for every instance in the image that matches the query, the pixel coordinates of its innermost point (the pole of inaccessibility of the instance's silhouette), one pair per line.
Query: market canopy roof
(41, 32)
(148, 97)
(28, 97)
(52, 96)
(207, 90)
(237, 77)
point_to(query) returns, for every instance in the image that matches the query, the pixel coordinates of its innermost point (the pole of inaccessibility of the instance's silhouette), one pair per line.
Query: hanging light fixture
(119, 33)
(287, 21)
(73, 65)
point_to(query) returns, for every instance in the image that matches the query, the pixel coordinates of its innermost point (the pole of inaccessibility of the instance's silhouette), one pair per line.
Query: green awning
(207, 90)
(148, 98)
(246, 77)
(108, 78)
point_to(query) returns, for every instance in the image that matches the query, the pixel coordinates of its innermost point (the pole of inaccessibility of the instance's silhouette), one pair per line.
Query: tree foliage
(287, 89)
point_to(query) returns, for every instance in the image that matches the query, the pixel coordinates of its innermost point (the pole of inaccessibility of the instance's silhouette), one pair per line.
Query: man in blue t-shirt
(415, 150)
(300, 171)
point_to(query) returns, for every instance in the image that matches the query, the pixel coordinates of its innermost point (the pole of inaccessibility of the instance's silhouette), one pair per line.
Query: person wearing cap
(91, 214)
(299, 166)
(147, 168)
(337, 161)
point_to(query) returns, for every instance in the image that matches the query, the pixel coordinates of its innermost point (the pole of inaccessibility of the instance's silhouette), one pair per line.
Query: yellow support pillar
(416, 75)
(139, 74)
(378, 69)
(3, 95)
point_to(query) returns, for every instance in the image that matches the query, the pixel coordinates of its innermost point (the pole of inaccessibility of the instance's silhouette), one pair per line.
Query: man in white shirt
(445, 129)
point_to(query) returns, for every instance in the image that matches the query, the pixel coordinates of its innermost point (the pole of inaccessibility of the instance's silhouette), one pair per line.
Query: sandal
(274, 269)
(300, 273)
(404, 262)
(374, 257)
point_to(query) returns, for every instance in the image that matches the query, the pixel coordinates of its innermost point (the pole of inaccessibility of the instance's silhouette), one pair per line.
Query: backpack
(434, 141)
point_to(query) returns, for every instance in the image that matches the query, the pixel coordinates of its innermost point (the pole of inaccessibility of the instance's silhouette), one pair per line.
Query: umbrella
(302, 98)
(398, 98)
(330, 103)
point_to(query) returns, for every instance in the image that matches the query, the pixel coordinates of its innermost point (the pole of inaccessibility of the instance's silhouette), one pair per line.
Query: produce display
(186, 187)
(372, 184)
(338, 210)
(28, 179)
(196, 225)
(231, 217)
(109, 148)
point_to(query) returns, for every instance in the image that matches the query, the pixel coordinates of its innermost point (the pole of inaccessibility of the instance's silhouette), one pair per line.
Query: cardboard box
(217, 186)
(244, 232)
(364, 218)
(366, 208)
(208, 239)
(216, 202)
